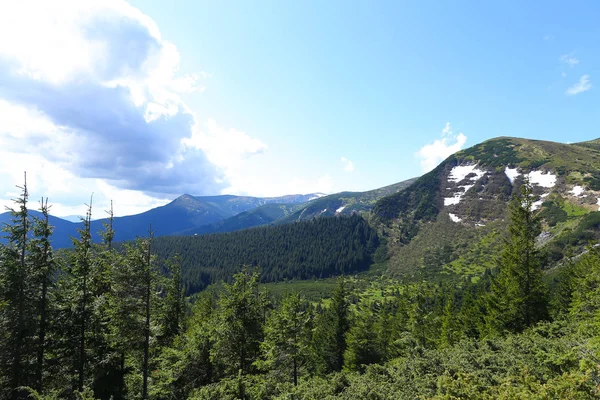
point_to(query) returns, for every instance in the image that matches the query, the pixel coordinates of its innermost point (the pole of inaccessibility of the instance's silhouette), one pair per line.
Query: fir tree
(329, 338)
(287, 340)
(174, 302)
(18, 300)
(518, 297)
(238, 329)
(45, 268)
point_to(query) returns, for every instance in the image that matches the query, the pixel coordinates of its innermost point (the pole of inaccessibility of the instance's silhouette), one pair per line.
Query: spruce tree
(173, 312)
(518, 297)
(44, 269)
(17, 298)
(238, 331)
(362, 342)
(329, 338)
(287, 340)
(149, 284)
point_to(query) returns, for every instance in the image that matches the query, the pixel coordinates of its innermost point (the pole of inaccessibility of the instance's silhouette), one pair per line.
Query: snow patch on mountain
(511, 174)
(450, 201)
(454, 217)
(460, 172)
(339, 210)
(577, 191)
(539, 178)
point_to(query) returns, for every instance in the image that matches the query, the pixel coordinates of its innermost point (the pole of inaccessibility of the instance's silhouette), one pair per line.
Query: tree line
(85, 322)
(319, 248)
(100, 322)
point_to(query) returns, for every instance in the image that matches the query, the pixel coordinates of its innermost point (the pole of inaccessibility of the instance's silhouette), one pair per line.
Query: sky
(139, 102)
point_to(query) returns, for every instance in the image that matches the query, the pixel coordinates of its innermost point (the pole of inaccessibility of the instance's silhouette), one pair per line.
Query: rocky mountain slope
(344, 203)
(470, 190)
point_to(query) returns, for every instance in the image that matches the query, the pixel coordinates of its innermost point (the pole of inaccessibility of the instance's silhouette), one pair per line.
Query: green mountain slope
(345, 203)
(448, 213)
(319, 248)
(262, 215)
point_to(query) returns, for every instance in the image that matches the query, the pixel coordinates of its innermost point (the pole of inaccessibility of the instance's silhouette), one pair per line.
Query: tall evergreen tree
(287, 339)
(518, 297)
(329, 338)
(44, 269)
(174, 302)
(149, 283)
(17, 297)
(238, 329)
(362, 342)
(81, 269)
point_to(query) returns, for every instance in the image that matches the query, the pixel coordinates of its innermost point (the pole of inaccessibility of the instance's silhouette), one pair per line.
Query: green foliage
(329, 336)
(115, 326)
(238, 327)
(286, 347)
(319, 248)
(518, 297)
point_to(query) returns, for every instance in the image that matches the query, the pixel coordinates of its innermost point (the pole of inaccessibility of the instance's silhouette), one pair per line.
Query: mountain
(63, 229)
(189, 212)
(344, 203)
(446, 213)
(182, 214)
(262, 215)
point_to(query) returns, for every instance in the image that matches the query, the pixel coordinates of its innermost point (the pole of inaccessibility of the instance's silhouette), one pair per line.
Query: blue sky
(286, 96)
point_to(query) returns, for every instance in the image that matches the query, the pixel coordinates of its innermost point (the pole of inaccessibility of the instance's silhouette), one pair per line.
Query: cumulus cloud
(348, 165)
(569, 59)
(583, 85)
(91, 90)
(432, 154)
(224, 147)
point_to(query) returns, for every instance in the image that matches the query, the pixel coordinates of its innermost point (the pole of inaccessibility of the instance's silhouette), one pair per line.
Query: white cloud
(447, 129)
(583, 85)
(224, 147)
(433, 153)
(90, 102)
(569, 59)
(348, 165)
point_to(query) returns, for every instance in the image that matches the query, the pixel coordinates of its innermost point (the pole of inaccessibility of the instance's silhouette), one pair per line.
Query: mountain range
(190, 215)
(448, 222)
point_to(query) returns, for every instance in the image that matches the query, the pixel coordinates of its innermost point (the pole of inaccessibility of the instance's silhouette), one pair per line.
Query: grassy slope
(425, 243)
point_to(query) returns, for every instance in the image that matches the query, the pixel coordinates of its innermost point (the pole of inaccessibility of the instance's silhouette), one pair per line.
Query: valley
(352, 294)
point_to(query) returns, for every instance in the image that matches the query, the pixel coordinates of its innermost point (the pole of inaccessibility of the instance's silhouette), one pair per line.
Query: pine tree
(45, 268)
(362, 342)
(174, 302)
(149, 283)
(518, 297)
(81, 271)
(238, 329)
(18, 301)
(286, 345)
(329, 338)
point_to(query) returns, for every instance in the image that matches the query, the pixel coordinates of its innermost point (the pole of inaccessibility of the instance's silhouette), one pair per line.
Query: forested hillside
(318, 248)
(102, 322)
